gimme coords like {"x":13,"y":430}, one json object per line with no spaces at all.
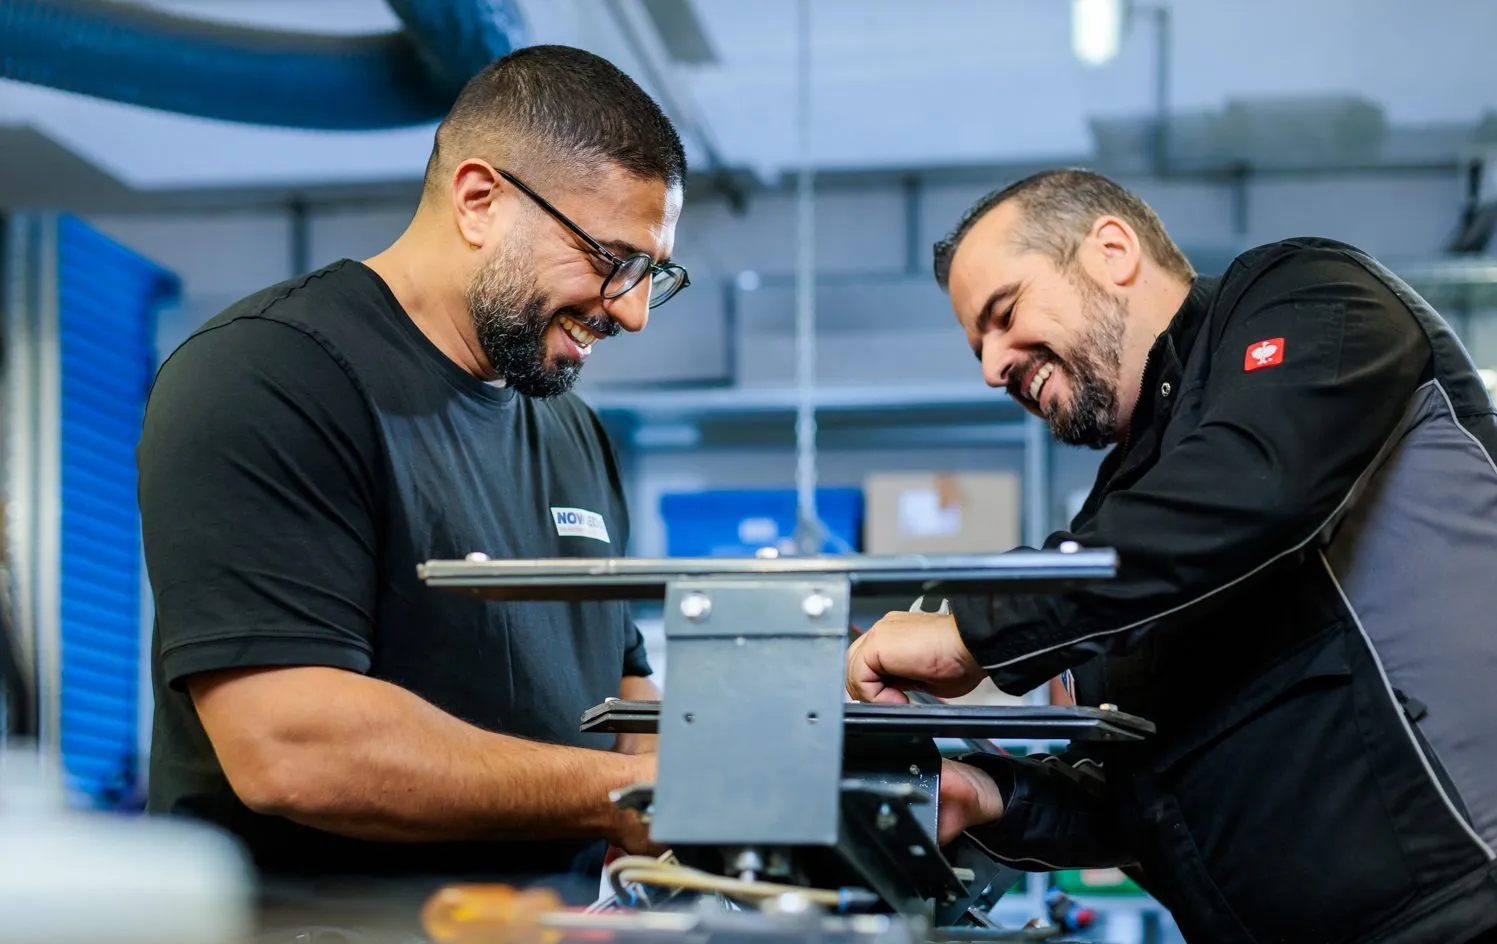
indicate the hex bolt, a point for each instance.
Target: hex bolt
{"x":748,"y":864}
{"x":817,"y":604}
{"x":696,"y":606}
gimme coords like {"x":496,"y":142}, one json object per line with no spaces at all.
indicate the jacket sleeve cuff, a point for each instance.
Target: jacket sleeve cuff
{"x":1004,"y":651}
{"x":974,"y":621}
{"x":1049,"y":822}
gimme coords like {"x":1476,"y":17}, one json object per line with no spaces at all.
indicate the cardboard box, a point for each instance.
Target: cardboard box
{"x":944,"y":513}
{"x":941,"y":513}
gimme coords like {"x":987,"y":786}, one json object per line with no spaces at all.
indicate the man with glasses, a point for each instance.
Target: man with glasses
{"x":308,"y":447}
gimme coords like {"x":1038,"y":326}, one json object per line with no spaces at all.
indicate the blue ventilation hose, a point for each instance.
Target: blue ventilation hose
{"x":140,"y":56}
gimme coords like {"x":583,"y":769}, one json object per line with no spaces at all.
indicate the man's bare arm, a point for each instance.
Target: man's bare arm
{"x":637,"y":688}
{"x":357,"y":756}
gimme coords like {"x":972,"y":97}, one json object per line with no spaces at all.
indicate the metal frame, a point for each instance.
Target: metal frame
{"x":648,"y":578}
{"x":19,"y":271}
{"x":33,"y":461}
{"x":48,"y":490}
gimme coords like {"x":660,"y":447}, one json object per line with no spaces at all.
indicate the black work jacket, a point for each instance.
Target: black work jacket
{"x":1305,"y":514}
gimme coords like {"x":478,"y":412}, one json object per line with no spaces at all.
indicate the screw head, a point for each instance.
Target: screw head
{"x":1068,"y":547}
{"x":816,"y":605}
{"x":696,"y":606}
{"x":477,"y":557}
{"x":914,"y":770}
{"x":1108,"y":706}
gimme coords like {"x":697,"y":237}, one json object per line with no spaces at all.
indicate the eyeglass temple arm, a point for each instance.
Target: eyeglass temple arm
{"x":560,"y":217}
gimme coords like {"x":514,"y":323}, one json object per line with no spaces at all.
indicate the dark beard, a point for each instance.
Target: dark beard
{"x":510,"y":318}
{"x":1091,"y":417}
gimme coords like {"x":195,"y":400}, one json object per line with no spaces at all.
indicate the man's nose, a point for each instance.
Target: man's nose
{"x":997,"y":363}
{"x":632,"y":309}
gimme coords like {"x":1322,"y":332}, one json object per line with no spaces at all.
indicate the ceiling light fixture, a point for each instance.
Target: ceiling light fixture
{"x":1096,"y":30}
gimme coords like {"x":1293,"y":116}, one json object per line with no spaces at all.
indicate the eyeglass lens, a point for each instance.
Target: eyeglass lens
{"x":663,"y":284}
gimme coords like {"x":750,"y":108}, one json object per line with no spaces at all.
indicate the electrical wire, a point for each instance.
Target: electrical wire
{"x":643,"y":870}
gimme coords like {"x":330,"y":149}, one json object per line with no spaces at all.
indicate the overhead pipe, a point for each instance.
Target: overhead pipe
{"x":141,"y":56}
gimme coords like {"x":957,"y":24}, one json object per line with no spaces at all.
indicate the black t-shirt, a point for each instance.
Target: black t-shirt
{"x":302,"y":453}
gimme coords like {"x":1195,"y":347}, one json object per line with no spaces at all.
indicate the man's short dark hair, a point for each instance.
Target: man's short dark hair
{"x":544,"y":109}
{"x":1058,"y":207}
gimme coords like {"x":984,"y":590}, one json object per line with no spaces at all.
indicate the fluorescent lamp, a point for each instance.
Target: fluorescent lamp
{"x":1096,"y":30}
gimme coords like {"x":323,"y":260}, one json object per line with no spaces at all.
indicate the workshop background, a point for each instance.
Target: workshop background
{"x":146,"y":183}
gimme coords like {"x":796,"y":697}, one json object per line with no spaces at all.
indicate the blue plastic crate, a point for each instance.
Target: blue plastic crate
{"x":737,"y":523}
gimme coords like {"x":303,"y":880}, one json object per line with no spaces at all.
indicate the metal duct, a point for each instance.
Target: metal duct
{"x":141,"y":56}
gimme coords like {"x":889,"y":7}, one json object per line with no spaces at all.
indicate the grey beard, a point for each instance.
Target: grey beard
{"x":1091,"y":419}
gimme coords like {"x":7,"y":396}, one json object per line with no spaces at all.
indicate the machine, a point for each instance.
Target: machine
{"x":780,"y":801}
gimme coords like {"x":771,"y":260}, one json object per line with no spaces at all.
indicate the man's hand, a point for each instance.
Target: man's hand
{"x":969,"y":797}
{"x":905,"y":651}
{"x":629,"y":833}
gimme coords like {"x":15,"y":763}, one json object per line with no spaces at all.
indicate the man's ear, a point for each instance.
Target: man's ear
{"x":475,"y":188}
{"x":1116,"y":251}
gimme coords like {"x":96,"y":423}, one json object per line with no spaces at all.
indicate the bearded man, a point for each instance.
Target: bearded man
{"x":305,"y":449}
{"x":1303,"y":501}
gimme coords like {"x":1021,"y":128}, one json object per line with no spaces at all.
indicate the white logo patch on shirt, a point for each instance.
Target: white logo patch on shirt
{"x":580,"y":523}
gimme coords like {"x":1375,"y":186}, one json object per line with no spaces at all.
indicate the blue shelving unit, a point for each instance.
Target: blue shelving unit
{"x":80,"y":311}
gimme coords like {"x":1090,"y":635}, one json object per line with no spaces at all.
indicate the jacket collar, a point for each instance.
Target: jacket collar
{"x":1164,"y":366}
{"x":1174,"y":344}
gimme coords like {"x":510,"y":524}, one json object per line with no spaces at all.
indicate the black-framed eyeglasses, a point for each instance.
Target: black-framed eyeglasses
{"x":665,"y":280}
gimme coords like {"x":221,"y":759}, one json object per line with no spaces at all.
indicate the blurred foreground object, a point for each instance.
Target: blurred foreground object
{"x":79,"y":877}
{"x":490,"y":914}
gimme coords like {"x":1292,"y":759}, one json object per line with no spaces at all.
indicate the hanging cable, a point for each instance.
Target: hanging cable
{"x":809,"y":530}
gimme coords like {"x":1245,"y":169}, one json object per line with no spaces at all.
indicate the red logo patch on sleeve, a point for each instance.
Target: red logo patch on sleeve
{"x":1263,"y":354}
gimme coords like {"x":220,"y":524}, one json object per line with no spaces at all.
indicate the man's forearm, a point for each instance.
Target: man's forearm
{"x":363,"y":758}
{"x":637,"y":688}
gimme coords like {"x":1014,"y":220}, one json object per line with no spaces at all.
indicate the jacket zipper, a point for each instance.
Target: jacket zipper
{"x":1142,"y":381}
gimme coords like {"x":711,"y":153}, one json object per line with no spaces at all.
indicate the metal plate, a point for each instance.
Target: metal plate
{"x":643,"y":578}
{"x":768,"y":776}
{"x":1009,"y":722}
